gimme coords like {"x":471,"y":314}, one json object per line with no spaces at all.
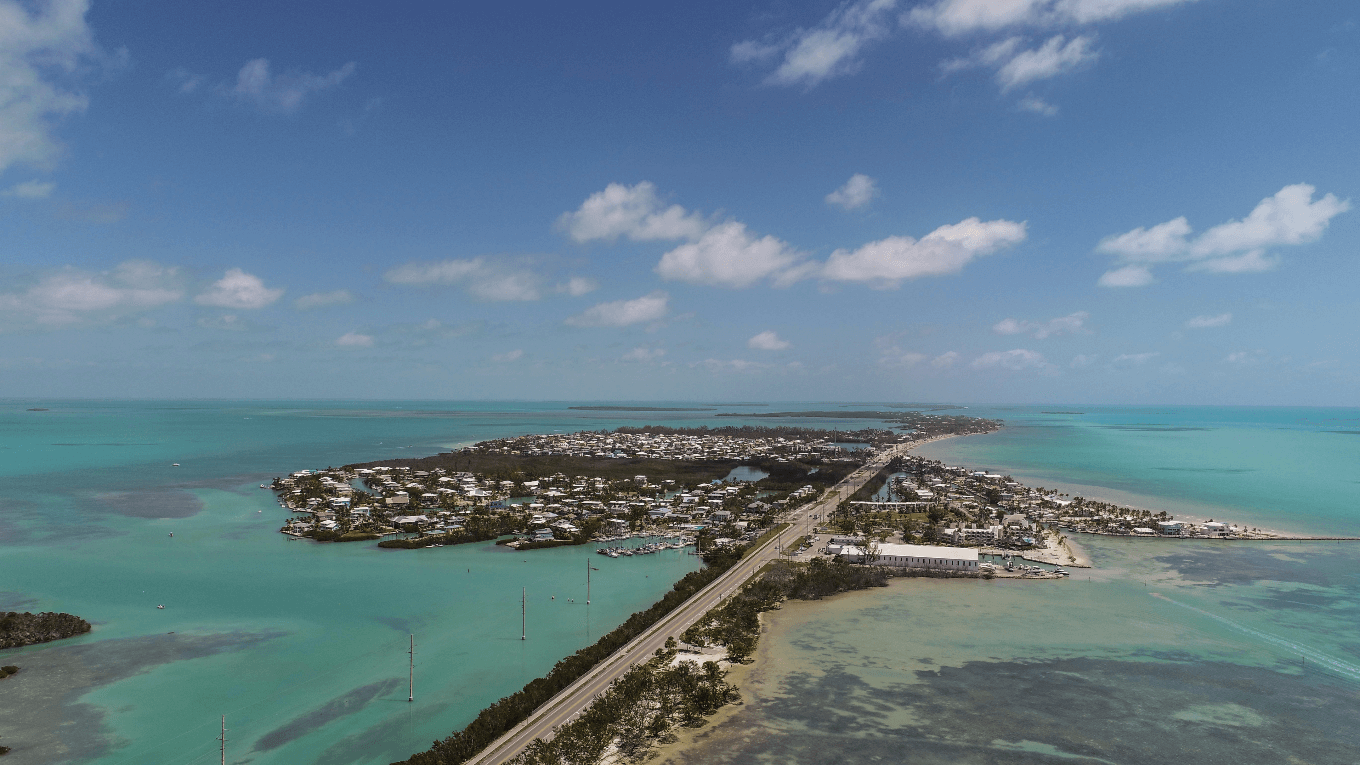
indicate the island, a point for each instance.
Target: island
{"x":21,"y":629}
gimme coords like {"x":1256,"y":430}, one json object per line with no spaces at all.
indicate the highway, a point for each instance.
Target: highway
{"x":566,"y":705}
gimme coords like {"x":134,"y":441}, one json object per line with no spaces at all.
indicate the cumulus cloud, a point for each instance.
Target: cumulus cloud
{"x":857,"y":192}
{"x":643,"y":354}
{"x":489,"y":279}
{"x":256,"y":84}
{"x":71,"y":297}
{"x":354,"y":340}
{"x":1127,"y":276}
{"x":30,"y":190}
{"x":577,"y":286}
{"x":1290,"y":217}
{"x":1080,"y":361}
{"x":1016,"y":359}
{"x":955,"y":18}
{"x":1032,"y":103}
{"x":728,"y":255}
{"x":239,"y":290}
{"x":632,"y":211}
{"x":508,"y":356}
{"x":1206,"y":322}
{"x":323,"y":299}
{"x":946,"y":250}
{"x":1056,"y":56}
{"x":623,"y":313}
{"x":1071,"y":324}
{"x":945,"y":360}
{"x":1134,"y":359}
{"x":46,"y":49}
{"x":1016,"y":65}
{"x":830,"y":49}
{"x":768,"y":341}
{"x":730,"y":365}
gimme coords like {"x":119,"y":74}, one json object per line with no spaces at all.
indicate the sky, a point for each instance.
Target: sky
{"x":1004,"y":201}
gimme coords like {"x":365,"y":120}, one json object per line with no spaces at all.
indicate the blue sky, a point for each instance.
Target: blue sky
{"x":1085,"y":201}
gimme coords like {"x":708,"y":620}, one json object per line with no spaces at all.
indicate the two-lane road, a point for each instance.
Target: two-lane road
{"x":575,"y":698}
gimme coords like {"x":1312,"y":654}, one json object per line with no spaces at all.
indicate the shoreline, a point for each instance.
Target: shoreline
{"x":1187,"y":510}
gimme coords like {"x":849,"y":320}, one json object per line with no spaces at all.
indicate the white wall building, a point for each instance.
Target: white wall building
{"x":913,"y":556}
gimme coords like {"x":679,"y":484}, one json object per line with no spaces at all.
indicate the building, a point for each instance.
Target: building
{"x":913,"y":556}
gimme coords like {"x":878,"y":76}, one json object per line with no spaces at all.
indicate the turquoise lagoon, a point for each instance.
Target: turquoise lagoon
{"x":303,"y":646}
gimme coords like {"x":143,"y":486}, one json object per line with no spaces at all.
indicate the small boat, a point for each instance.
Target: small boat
{"x":262,"y":486}
{"x":172,"y":533}
{"x":161,"y":607}
{"x":174,"y":464}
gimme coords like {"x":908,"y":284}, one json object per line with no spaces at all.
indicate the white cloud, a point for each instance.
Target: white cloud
{"x":354,"y":340}
{"x":733,"y":365}
{"x":1164,"y":241}
{"x":323,"y":299}
{"x":946,"y":250}
{"x":1290,"y":217}
{"x":1071,"y":324}
{"x":1016,"y":359}
{"x":945,"y":360}
{"x":71,"y":297}
{"x":959,"y":17}
{"x":1080,"y":361}
{"x":643,"y":354}
{"x":768,"y":341}
{"x":830,"y":49}
{"x":508,"y":356}
{"x":1246,"y":357}
{"x":1033,"y":103}
{"x":857,"y":192}
{"x":283,"y":93}
{"x":45,"y":50}
{"x":577,"y":286}
{"x":1127,"y":276}
{"x":622,"y":313}
{"x":1205,"y":322}
{"x":492,"y":280}
{"x":1134,"y":359}
{"x":30,"y":190}
{"x":727,"y":255}
{"x":896,"y":357}
{"x":1056,"y":56}
{"x":229,"y":321}
{"x":632,"y":211}
{"x":240,"y":290}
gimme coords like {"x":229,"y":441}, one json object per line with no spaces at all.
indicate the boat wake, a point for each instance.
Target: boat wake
{"x":1343,"y":668}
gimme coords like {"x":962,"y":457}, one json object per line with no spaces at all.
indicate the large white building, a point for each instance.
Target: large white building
{"x":913,"y":556}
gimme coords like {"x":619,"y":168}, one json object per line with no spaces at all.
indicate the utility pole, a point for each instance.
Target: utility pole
{"x":413,"y":669}
{"x":523,"y":614}
{"x":223,"y":739}
{"x":588,"y":567}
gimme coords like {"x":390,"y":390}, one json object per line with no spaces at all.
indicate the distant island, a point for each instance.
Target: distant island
{"x":20,"y":629}
{"x":642,"y":409}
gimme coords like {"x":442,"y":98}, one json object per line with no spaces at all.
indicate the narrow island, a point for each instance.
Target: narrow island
{"x":21,"y":629}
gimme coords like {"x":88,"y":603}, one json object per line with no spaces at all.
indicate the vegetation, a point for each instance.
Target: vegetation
{"x":19,"y":629}
{"x":7,"y":670}
{"x":459,"y":537}
{"x":866,"y":435}
{"x":515,"y":467}
{"x":639,"y":708}
{"x":505,"y":714}
{"x":735,"y":624}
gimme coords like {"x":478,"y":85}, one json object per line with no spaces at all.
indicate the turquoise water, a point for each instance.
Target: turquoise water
{"x":1288,"y":469}
{"x":304,"y":646}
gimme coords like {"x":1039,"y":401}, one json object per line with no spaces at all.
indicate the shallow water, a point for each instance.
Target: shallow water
{"x":1204,"y":654}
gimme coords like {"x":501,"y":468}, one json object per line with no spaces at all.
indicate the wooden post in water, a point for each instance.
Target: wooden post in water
{"x":223,"y":739}
{"x":412,"y":686}
{"x":588,"y":567}
{"x":523,"y":618}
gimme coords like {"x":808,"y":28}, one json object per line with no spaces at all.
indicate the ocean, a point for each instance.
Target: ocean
{"x":303,"y":646}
